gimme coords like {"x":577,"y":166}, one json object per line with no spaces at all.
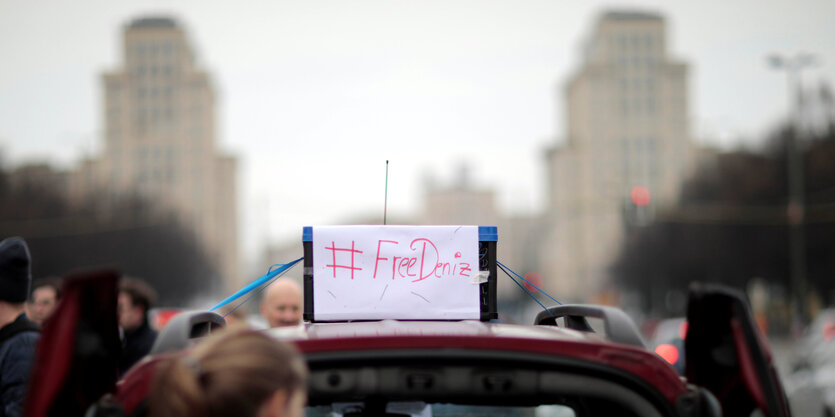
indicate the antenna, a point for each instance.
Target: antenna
{"x":386,"y":198}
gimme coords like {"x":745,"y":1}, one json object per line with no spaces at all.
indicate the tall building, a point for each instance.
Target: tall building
{"x":160,"y":141}
{"x":626,"y":153}
{"x":460,"y":202}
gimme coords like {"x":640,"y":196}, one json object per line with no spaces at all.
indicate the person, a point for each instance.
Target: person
{"x":282,"y":304}
{"x":232,"y":373}
{"x":18,"y":335}
{"x":45,"y":296}
{"x":135,"y":299}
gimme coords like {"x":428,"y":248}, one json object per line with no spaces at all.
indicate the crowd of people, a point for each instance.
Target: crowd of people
{"x":241,"y":371}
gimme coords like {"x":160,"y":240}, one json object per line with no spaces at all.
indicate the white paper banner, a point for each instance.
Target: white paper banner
{"x":395,"y":272}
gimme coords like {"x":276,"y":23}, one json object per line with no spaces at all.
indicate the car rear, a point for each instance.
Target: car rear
{"x":474,"y":368}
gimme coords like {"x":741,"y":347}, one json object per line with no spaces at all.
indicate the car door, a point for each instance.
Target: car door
{"x":727,"y":354}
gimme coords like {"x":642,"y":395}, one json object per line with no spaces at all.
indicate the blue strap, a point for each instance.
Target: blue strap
{"x":523,"y":279}
{"x":253,"y":294}
{"x":524,"y":289}
{"x":255,"y":284}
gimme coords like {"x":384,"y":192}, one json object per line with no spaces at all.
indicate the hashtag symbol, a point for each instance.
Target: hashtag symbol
{"x":334,"y":265}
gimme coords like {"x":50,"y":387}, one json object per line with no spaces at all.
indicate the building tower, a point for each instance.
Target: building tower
{"x":626,"y":154}
{"x":159,"y":138}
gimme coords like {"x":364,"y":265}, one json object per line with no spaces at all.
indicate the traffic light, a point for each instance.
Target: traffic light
{"x":638,"y":209}
{"x":640,"y":196}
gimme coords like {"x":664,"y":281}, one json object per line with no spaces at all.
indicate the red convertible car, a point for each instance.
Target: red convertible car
{"x":557,"y":366}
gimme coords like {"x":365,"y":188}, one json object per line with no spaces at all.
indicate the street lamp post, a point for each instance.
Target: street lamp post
{"x":795,"y":210}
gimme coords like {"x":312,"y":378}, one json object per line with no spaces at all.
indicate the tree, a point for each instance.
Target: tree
{"x":129,"y":234}
{"x":731,"y":225}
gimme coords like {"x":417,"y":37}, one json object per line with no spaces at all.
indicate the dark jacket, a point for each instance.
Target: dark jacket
{"x":136,"y":344}
{"x":17,"y":355}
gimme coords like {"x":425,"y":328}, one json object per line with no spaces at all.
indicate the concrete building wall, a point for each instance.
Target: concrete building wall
{"x":160,"y":139}
{"x":627,"y":127}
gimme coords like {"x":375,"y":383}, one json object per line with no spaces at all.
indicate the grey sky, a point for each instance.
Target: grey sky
{"x":314,"y":96}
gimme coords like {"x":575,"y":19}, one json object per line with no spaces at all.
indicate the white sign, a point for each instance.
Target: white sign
{"x":395,"y":272}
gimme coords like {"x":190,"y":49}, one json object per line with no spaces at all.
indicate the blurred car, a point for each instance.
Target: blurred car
{"x":556,"y":367}
{"x":667,"y":341}
{"x":818,"y":335}
{"x":158,"y":317}
{"x":811,"y":385}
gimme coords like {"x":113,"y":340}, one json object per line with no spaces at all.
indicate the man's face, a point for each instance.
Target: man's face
{"x":282,"y":308}
{"x":43,"y":302}
{"x":130,"y":315}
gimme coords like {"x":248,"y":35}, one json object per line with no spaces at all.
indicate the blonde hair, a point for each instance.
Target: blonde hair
{"x":231,"y":374}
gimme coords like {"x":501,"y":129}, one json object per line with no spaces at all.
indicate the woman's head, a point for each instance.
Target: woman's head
{"x":237,"y":373}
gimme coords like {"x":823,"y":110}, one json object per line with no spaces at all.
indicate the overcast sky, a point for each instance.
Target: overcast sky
{"x":315,"y":96}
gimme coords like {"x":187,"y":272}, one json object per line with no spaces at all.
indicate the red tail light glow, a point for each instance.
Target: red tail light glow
{"x":668,"y":352}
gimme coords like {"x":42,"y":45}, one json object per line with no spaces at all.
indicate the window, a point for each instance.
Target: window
{"x":637,"y":146}
{"x":143,"y":176}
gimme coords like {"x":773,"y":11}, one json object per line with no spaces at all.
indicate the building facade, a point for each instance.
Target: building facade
{"x":626,"y":153}
{"x":160,"y":139}
{"x":461,"y":202}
